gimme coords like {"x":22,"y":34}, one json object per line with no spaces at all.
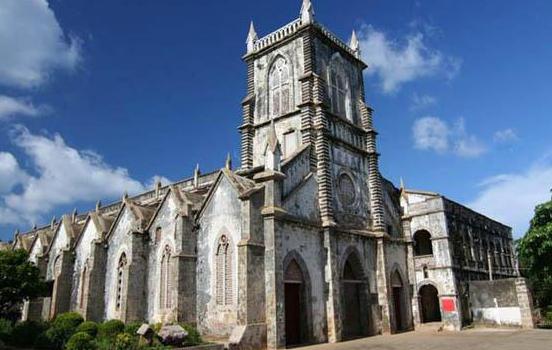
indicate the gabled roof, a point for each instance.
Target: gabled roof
{"x":72,"y":225}
{"x":141,"y":213}
{"x":25,"y":241}
{"x":102,"y":223}
{"x":183,"y":199}
{"x":44,"y":237}
{"x":244,"y":186}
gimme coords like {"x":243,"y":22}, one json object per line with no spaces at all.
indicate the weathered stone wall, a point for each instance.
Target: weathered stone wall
{"x":221,"y":216}
{"x":164,"y":233}
{"x":505,"y":302}
{"x":118,"y":243}
{"x":82,"y":253}
{"x":426,"y":212}
{"x":306,"y":243}
{"x":292,"y":52}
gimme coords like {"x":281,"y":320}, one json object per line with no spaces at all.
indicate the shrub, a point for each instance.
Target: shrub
{"x":43,"y":342}
{"x":110,"y":329}
{"x":6,"y":328}
{"x":88,"y":327}
{"x":125,"y":341}
{"x":104,"y":344}
{"x":132,"y":327}
{"x":81,"y":341}
{"x":63,"y":327}
{"x":24,"y":334}
{"x":193,"y":338}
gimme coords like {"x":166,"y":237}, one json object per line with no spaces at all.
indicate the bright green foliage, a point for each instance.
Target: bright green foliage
{"x":63,"y":327}
{"x":193,"y":338}
{"x":81,"y":341}
{"x":535,"y":254}
{"x":104,"y":344}
{"x":25,"y":333}
{"x":125,"y":341}
{"x":110,"y":329}
{"x":6,"y":328}
{"x":132,"y":327}
{"x":19,"y":280}
{"x":88,"y":327}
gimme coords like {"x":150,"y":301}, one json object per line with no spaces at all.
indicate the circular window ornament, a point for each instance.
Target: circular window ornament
{"x":346,"y":190}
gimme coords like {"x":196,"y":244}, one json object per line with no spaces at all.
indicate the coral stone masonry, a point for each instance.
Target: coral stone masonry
{"x":305,"y":243}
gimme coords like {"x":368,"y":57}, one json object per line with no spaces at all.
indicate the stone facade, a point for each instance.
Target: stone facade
{"x":305,"y":243}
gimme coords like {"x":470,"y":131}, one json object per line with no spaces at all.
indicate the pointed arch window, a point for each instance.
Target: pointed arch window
{"x":339,"y":91}
{"x":279,"y":84}
{"x":223,"y":266}
{"x":121,"y":267}
{"x":84,"y":285}
{"x":165,"y":277}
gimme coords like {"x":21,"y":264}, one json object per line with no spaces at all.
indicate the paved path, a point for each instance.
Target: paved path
{"x":475,"y":339}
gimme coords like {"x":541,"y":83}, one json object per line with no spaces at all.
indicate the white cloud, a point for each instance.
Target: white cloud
{"x":434,"y":134}
{"x":64,"y":175}
{"x":431,"y":133}
{"x":396,"y":62}
{"x":422,"y":101}
{"x":511,"y":198}
{"x":32,"y":43}
{"x":10,"y":107}
{"x":466,"y":145}
{"x":505,"y":136}
{"x":10,"y":172}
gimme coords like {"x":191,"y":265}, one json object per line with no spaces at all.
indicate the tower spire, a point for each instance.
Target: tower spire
{"x":251,"y":38}
{"x":354,"y":44}
{"x":307,"y":12}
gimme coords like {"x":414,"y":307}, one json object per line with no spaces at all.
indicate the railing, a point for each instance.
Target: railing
{"x":278,"y":35}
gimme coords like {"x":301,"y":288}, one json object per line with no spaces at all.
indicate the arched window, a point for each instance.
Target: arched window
{"x":339,"y":91}
{"x":223,"y":267}
{"x":279,"y":84}
{"x":422,"y":243}
{"x":165,"y":275}
{"x":120,"y":280}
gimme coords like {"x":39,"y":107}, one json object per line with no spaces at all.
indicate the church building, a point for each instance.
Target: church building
{"x":306,"y":242}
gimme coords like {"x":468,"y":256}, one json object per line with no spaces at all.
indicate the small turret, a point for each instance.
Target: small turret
{"x":197,"y":173}
{"x":158,"y":186}
{"x":251,"y":38}
{"x":98,"y":206}
{"x":228,"y":164}
{"x":354,"y":44}
{"x":307,"y":12}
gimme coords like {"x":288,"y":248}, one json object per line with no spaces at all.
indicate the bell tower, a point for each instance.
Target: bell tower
{"x":307,"y":84}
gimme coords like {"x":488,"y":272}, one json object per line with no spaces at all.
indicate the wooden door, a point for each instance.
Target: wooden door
{"x":293,"y":313}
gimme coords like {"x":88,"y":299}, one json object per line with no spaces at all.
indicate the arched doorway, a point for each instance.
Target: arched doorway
{"x":429,"y":303}
{"x":295,"y":295}
{"x":398,"y":301}
{"x":354,"y":299}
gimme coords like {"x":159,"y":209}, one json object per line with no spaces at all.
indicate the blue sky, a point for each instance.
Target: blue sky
{"x":99,"y":97}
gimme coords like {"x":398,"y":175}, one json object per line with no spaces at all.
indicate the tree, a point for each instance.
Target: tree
{"x":19,"y":281}
{"x":535,"y":254}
